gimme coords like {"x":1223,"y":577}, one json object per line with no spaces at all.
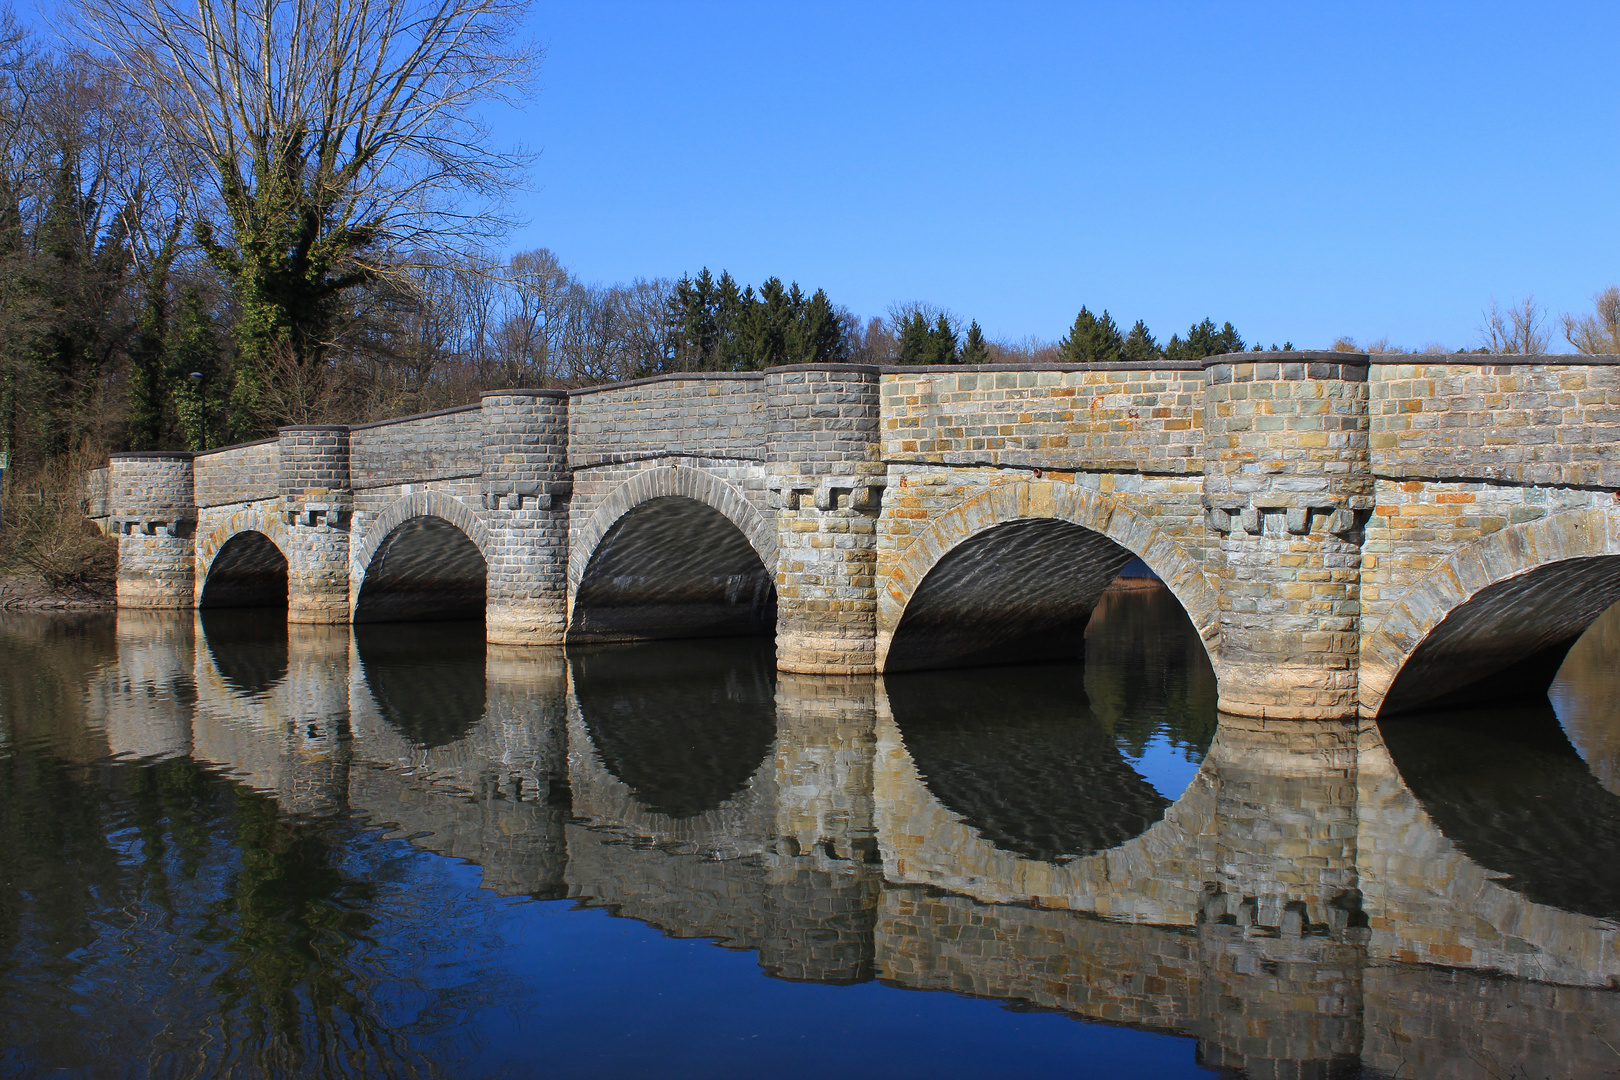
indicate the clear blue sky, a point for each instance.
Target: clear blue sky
{"x":1305,"y":170}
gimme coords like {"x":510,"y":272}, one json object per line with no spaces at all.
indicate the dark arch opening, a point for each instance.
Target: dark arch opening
{"x":1019,"y":592}
{"x":248,"y":571}
{"x":429,"y":684}
{"x":684,"y":726}
{"x":425,"y":570}
{"x":1507,"y":642}
{"x":673,"y":568}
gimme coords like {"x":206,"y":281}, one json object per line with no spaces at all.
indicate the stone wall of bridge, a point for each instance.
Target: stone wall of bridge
{"x":1329,"y":521}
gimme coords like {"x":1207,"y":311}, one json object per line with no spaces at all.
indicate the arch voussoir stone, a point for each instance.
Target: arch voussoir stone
{"x":1027,"y":500}
{"x":1491,"y":560}
{"x":417,"y":504}
{"x":672,"y":482}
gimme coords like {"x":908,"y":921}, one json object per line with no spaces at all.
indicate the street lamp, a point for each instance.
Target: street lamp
{"x":197,"y":379}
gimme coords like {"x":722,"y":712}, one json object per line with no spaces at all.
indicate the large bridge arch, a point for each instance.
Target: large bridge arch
{"x":250,"y":540}
{"x":1507,"y":605}
{"x":1034,"y":502}
{"x":441,"y":580}
{"x":717,"y":550}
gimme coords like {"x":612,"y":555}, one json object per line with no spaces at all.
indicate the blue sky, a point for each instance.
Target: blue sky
{"x":1305,"y":170}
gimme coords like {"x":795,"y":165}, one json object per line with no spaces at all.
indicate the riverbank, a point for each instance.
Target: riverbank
{"x":28,"y":592}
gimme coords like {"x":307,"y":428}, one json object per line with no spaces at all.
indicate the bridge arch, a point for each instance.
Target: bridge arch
{"x":1032,"y":506}
{"x":672,"y":552}
{"x":424,"y":556}
{"x":1506,"y":606}
{"x":241,"y":560}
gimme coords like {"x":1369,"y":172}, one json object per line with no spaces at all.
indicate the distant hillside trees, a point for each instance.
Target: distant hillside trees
{"x":713,"y":325}
{"x":1095,"y":339}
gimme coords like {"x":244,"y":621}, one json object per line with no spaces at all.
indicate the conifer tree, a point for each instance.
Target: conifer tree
{"x":916,"y":346}
{"x":1204,"y":340}
{"x":1139,"y":347}
{"x":942,"y":342}
{"x":1092,"y":340}
{"x":974,"y":349}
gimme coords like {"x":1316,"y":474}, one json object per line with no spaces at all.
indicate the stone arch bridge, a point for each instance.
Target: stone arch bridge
{"x":1349,"y":534}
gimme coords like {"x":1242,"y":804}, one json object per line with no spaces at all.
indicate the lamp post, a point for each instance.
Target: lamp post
{"x":198,"y":383}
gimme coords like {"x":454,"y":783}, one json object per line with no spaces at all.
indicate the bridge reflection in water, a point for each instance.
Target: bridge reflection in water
{"x":1427,"y":897}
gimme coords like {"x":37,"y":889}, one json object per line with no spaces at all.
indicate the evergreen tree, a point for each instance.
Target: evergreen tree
{"x":193,"y":347}
{"x":916,"y":345}
{"x":1204,"y":340}
{"x":150,"y":378}
{"x":974,"y":350}
{"x":1139,"y":347}
{"x":732,"y":306}
{"x":819,"y":336}
{"x":942,"y":342}
{"x":1092,"y":340}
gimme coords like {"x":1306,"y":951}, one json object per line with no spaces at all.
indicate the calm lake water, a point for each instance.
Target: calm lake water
{"x":234,"y":848}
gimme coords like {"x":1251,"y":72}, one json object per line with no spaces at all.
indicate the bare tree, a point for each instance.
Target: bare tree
{"x":1598,"y":332}
{"x":1516,"y":329}
{"x":331,"y":140}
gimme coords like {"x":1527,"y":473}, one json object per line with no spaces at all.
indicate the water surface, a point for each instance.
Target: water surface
{"x":239,"y":848}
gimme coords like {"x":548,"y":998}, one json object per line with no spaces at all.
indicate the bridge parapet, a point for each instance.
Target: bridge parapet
{"x":1523,"y":420}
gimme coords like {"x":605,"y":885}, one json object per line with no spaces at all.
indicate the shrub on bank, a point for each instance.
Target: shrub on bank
{"x":44,"y":531}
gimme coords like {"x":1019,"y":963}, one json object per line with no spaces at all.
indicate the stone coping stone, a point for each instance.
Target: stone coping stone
{"x":236,"y":446}
{"x":671,"y":376}
{"x":1294,"y":356}
{"x":152,"y":455}
{"x":988,"y":369}
{"x":416,"y":416}
{"x":519,"y":393}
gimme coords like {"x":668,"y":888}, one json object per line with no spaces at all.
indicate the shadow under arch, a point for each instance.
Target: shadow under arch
{"x":424,"y":568}
{"x":673,"y":567}
{"x":247,"y":571}
{"x":430,"y":685}
{"x":1013,"y":574}
{"x":683,"y":726}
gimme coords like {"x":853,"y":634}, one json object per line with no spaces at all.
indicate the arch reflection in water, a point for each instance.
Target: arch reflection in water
{"x":428,"y":684}
{"x":684,"y":726}
{"x":463,"y":750}
{"x":1513,"y":793}
{"x":249,"y":648}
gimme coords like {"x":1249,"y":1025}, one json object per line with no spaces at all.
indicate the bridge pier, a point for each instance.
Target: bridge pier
{"x":317,"y":498}
{"x":153,"y":512}
{"x":827,"y":478}
{"x":524,"y":490}
{"x":1287,"y":484}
